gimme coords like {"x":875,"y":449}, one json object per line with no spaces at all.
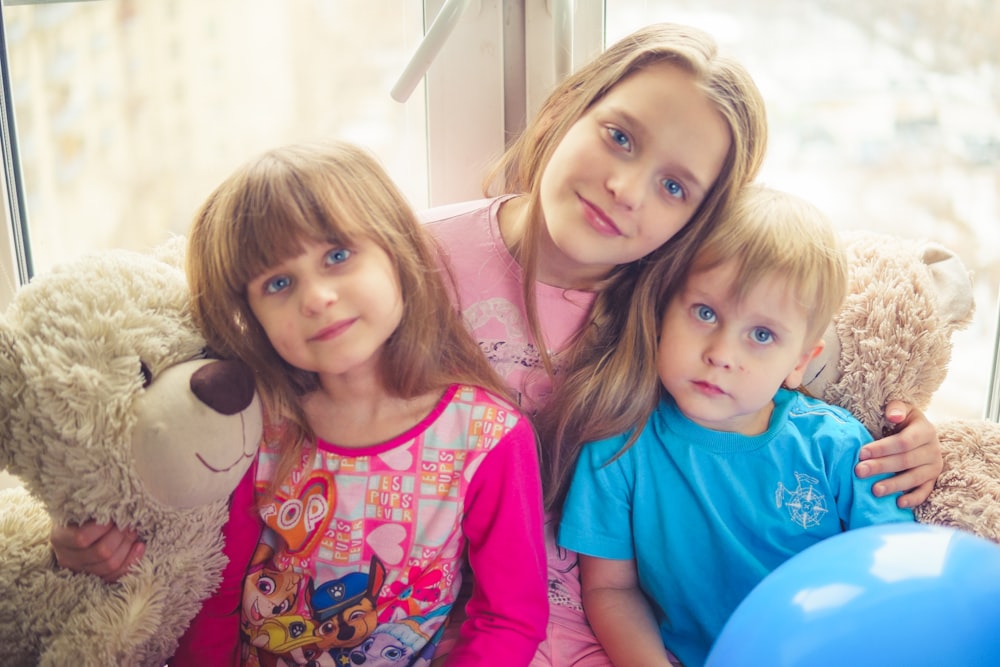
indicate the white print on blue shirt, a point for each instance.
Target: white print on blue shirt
{"x":806,"y":506}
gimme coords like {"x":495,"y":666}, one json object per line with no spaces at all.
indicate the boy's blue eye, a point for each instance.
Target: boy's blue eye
{"x":276,"y":284}
{"x":762,"y":335}
{"x":619,"y":137}
{"x":337,"y":255}
{"x":704,"y":313}
{"x":673,"y":188}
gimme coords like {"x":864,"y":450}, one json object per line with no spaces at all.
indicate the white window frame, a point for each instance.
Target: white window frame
{"x":494,"y":71}
{"x":491,"y":74}
{"x":15,"y":257}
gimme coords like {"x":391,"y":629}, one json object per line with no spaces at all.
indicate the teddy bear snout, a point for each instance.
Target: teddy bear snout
{"x":226,"y":386}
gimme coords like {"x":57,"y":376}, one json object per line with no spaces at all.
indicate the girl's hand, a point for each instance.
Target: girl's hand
{"x":912,"y":452}
{"x":95,"y":548}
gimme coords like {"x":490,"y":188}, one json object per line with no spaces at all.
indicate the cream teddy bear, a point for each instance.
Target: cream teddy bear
{"x":109,"y":410}
{"x":892,"y":340}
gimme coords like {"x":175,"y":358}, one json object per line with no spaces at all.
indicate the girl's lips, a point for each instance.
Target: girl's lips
{"x":332,"y":331}
{"x":598,"y":219}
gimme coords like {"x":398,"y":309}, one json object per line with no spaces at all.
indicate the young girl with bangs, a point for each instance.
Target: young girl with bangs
{"x":391,"y":451}
{"x":611,"y":187}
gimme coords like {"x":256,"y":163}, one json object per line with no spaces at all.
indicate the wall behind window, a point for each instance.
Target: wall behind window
{"x":129,"y":113}
{"x":887,"y":116}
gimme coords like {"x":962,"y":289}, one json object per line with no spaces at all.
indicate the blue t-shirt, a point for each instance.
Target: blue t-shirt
{"x":707,"y":514}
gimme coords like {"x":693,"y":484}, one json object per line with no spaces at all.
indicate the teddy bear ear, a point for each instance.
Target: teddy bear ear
{"x":172,"y":251}
{"x":952,"y":284}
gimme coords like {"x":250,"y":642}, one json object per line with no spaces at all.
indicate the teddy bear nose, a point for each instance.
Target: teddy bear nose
{"x":226,"y":386}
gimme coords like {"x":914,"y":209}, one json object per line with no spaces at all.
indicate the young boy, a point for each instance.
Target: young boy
{"x":733,"y":473}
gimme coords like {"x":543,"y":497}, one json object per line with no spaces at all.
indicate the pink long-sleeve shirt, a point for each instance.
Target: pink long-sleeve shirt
{"x":378,"y":534}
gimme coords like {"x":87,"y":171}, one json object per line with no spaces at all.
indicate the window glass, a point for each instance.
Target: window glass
{"x":887,"y":116}
{"x":128,"y":113}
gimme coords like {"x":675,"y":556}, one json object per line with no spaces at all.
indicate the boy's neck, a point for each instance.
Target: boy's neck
{"x":749,"y":426}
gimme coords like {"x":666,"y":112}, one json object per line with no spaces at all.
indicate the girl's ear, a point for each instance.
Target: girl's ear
{"x":794,"y":378}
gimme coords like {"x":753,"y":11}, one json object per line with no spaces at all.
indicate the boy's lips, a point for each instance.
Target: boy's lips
{"x":707,"y":388}
{"x":598,"y":219}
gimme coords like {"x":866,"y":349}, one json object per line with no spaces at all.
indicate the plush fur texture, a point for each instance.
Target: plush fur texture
{"x":109,"y":411}
{"x":892,"y":340}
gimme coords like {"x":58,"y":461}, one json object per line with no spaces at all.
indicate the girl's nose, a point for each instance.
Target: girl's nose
{"x":317,"y":296}
{"x":628,"y":185}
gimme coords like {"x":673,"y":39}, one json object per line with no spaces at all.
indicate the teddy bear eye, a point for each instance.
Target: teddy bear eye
{"x":147,"y":375}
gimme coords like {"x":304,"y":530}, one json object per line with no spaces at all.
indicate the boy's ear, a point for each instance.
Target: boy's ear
{"x":794,"y":378}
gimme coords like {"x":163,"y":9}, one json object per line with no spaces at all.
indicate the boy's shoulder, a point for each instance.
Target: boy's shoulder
{"x":802,"y":402}
{"x":809,"y":409}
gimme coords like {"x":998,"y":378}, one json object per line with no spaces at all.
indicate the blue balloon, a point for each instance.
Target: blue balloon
{"x":896,"y":594}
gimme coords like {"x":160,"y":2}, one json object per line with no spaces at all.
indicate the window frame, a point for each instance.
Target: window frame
{"x":15,"y":248}
{"x":491,"y":74}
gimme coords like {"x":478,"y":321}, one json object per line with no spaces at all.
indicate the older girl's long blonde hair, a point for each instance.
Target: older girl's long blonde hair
{"x":330,"y":192}
{"x":606,"y":379}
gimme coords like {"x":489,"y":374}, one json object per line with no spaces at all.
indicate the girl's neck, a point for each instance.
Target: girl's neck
{"x":363,"y":414}
{"x":552,"y":267}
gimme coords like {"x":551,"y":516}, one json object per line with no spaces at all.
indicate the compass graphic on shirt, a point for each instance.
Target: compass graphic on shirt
{"x":806,"y":506}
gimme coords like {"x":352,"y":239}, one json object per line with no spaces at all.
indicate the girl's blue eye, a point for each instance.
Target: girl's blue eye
{"x":337,"y":255}
{"x":762,"y":335}
{"x":673,"y":188}
{"x":276,"y":284}
{"x":619,"y":137}
{"x":704,"y":313}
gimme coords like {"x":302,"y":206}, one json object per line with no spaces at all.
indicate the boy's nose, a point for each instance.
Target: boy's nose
{"x":719,"y":354}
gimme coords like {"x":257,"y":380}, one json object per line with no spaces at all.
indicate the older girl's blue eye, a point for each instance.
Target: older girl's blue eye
{"x":673,"y":188}
{"x":276,"y":284}
{"x":762,"y":335}
{"x":619,"y":137}
{"x":337,"y":255}
{"x":704,"y":313}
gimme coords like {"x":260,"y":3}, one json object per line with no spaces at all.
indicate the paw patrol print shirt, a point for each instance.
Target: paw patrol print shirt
{"x":360,"y":560}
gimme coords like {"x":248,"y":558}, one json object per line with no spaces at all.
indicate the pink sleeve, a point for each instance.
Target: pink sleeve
{"x":508,"y":611}
{"x":213,"y":638}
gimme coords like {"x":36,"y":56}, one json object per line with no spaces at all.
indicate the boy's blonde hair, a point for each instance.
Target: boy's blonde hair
{"x":335,"y":192}
{"x":768,"y":233}
{"x":607,"y":380}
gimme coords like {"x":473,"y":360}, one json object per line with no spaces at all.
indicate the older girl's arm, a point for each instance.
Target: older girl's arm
{"x":912,"y":452}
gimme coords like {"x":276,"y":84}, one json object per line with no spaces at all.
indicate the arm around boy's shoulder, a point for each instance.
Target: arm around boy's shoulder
{"x":841,"y":436}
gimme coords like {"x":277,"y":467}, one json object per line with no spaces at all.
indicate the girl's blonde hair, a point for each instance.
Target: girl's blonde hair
{"x":769,"y":233}
{"x":332,"y":192}
{"x":607,"y":379}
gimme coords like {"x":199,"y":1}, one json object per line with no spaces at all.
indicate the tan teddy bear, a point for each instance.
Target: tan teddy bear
{"x":892,"y":340}
{"x":109,"y":410}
